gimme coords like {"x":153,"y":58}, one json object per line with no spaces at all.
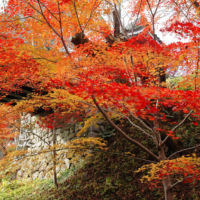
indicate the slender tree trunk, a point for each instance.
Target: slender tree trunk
{"x":162,"y":155}
{"x":54,"y":159}
{"x":167,"y":188}
{"x":116,"y":23}
{"x":166,"y":182}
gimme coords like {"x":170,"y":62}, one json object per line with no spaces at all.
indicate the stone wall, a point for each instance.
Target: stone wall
{"x":32,"y":136}
{"x":38,"y":140}
{"x":41,"y":166}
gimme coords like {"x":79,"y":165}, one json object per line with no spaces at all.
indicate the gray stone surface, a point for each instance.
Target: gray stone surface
{"x":35,"y":139}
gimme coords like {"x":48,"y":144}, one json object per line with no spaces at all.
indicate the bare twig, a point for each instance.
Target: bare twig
{"x":183,"y":150}
{"x":177,"y":126}
{"x":139,"y":128}
{"x":178,"y":182}
{"x":138,"y":119}
{"x":40,"y":138}
{"x":141,"y":121}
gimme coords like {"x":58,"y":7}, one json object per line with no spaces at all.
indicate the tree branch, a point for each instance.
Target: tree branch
{"x":48,"y":23}
{"x":53,"y":29}
{"x":139,"y":128}
{"x":178,"y":182}
{"x":61,"y":31}
{"x":50,"y":11}
{"x":91,"y":13}
{"x":186,"y":117}
{"x":77,"y":17}
{"x":123,"y":133}
{"x":177,"y":126}
{"x":183,"y":150}
{"x":42,"y":58}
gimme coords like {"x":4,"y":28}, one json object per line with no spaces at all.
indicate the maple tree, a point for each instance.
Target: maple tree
{"x":94,"y":70}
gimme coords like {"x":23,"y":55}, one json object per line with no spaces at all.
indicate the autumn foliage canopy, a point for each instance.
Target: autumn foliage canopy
{"x":85,"y":64}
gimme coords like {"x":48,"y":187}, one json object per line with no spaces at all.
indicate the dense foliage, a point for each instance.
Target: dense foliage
{"x":66,"y":61}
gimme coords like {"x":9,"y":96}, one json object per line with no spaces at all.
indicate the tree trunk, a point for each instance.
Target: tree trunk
{"x":54,"y":159}
{"x":167,"y":188}
{"x":166,"y":182}
{"x":116,"y":23}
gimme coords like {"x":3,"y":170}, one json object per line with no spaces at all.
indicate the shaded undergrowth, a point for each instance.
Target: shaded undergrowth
{"x":107,"y":175}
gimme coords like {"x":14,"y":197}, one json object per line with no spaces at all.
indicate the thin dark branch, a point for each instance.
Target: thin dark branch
{"x":135,"y":125}
{"x":37,"y":19}
{"x":40,"y":138}
{"x":188,"y":11}
{"x":42,"y":58}
{"x":177,"y":126}
{"x":157,"y":6}
{"x":93,"y":150}
{"x":108,"y":2}
{"x":179,"y":7}
{"x":77,"y":17}
{"x":91,"y":13}
{"x":152,"y":14}
{"x":186,"y":117}
{"x":53,"y":29}
{"x":21,"y":18}
{"x":48,"y":23}
{"x":150,"y":8}
{"x":137,"y":15}
{"x":60,"y":20}
{"x":132,"y":63}
{"x":54,"y":156}
{"x":123,"y":133}
{"x":61,"y":31}
{"x":141,"y":121}
{"x":139,"y":128}
{"x":178,"y":182}
{"x":184,"y":150}
{"x":33,"y":7}
{"x":197,"y":68}
{"x":49,"y":11}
